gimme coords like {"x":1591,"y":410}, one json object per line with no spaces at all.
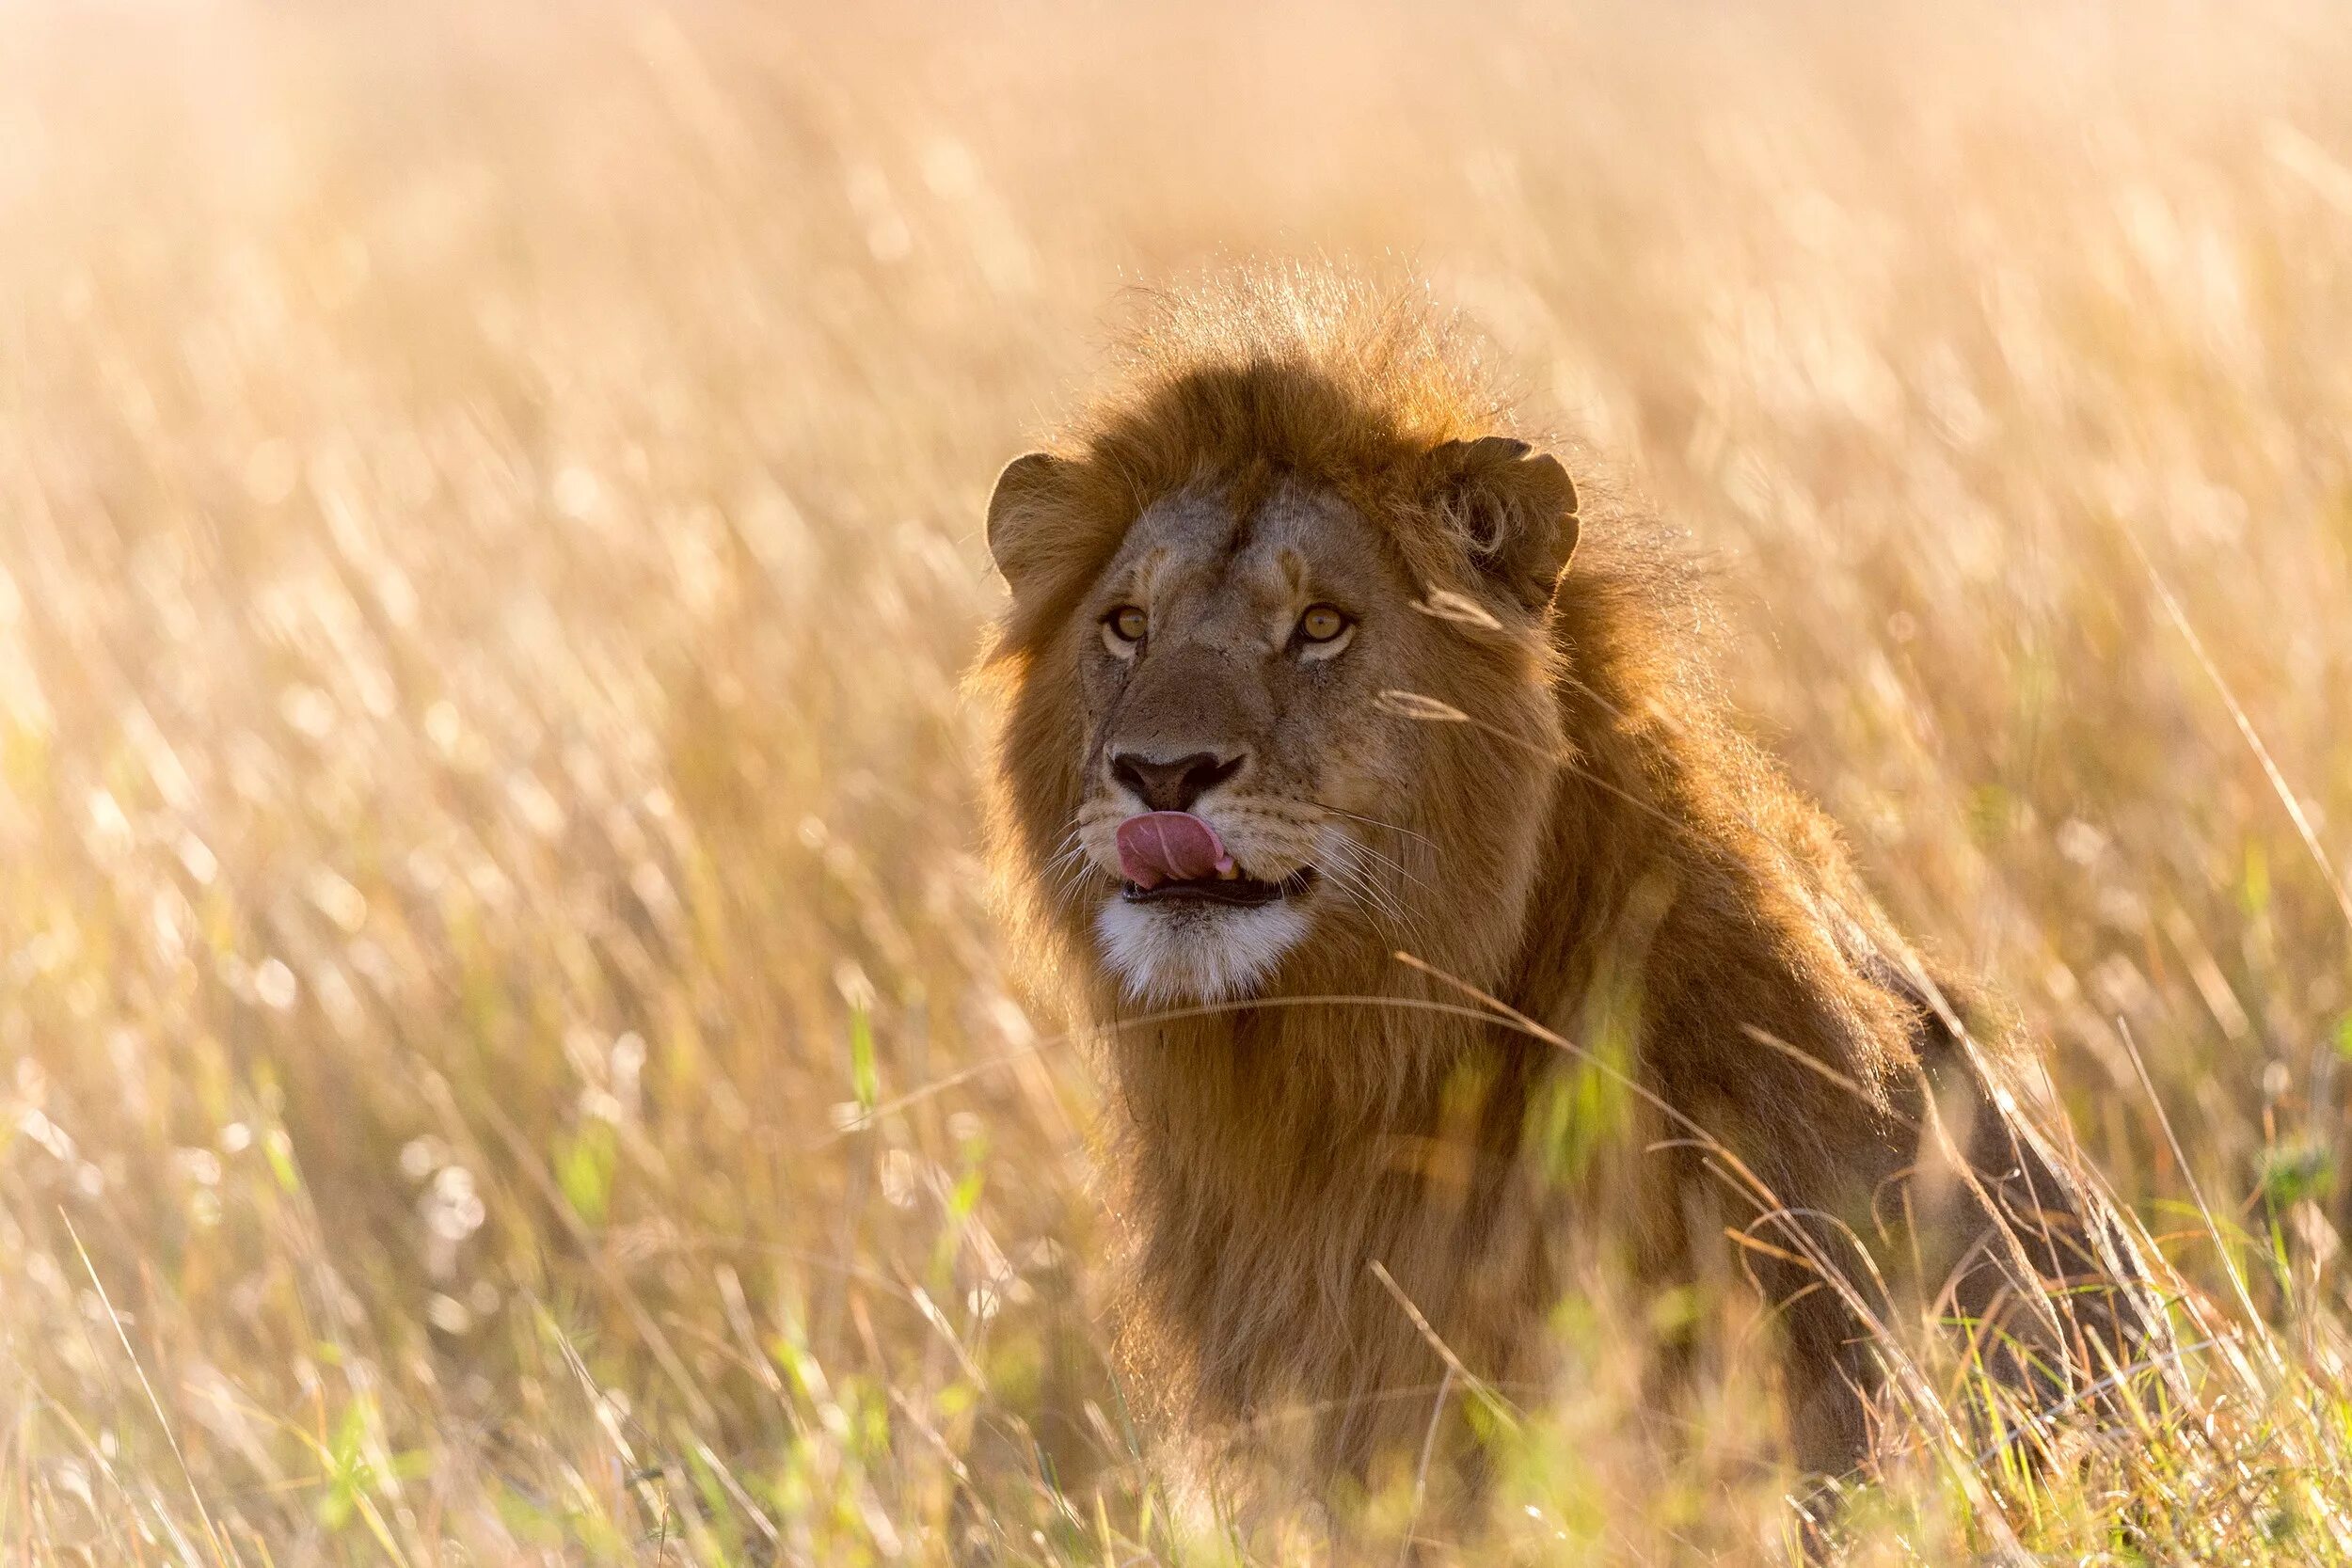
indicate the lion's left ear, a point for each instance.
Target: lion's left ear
{"x":1019,"y":516}
{"x":1516,"y":507}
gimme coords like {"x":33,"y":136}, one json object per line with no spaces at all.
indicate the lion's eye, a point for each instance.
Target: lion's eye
{"x":1321,"y":623}
{"x":1126,"y":623}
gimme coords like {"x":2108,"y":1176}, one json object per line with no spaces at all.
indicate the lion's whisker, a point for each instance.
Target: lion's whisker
{"x":1372,"y":821}
{"x":1066,"y":870}
{"x":1355,"y":879}
{"x":1389,"y":862}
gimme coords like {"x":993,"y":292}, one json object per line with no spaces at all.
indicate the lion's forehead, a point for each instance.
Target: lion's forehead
{"x":1196,"y":555}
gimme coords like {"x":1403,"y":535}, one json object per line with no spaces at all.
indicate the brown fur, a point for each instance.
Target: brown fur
{"x":1674,"y":906}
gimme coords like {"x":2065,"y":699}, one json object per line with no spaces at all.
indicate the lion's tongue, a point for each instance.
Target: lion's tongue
{"x":1170,"y":847}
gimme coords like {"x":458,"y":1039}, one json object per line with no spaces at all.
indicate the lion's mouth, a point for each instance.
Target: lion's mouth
{"x":1174,"y":856}
{"x":1238,"y":891}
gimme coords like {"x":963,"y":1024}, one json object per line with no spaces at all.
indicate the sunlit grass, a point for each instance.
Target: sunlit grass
{"x":505,"y":1050}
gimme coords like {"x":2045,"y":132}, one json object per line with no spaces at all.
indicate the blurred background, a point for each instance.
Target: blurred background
{"x":505,"y":1050}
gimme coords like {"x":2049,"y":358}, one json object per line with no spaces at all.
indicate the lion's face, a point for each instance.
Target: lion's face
{"x":1259,"y":787}
{"x":1235,"y":678}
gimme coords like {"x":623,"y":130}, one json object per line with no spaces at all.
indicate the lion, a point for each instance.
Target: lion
{"x":1371,"y":791}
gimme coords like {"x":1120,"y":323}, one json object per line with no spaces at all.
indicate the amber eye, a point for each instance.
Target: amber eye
{"x":1126,"y":623}
{"x":1321,"y":623}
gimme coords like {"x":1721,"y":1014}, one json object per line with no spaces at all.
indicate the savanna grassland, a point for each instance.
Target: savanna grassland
{"x":505,"y":1054}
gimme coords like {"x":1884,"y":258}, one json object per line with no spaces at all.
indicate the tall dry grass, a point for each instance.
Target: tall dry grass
{"x":507,"y":1057}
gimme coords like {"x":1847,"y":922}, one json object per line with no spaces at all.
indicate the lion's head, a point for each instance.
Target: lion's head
{"x":1278,"y":653}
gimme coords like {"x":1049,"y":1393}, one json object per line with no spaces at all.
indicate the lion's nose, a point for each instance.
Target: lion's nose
{"x":1174,"y":785}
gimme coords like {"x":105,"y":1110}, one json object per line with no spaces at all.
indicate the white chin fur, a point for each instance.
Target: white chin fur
{"x":1170,"y":954}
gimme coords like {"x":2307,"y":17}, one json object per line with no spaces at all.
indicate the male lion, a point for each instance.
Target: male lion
{"x":1305,"y":671}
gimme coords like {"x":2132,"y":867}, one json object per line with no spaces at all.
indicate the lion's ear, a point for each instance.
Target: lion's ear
{"x":1019,"y":515}
{"x":1516,"y":507}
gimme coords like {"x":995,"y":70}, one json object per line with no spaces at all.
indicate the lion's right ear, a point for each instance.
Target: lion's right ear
{"x":1019,"y":515}
{"x":1517,"y":508}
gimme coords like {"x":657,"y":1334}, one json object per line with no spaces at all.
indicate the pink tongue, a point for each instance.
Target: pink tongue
{"x":1170,"y":847}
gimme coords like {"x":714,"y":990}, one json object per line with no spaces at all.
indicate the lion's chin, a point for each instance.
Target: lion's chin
{"x":1192,"y":952}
